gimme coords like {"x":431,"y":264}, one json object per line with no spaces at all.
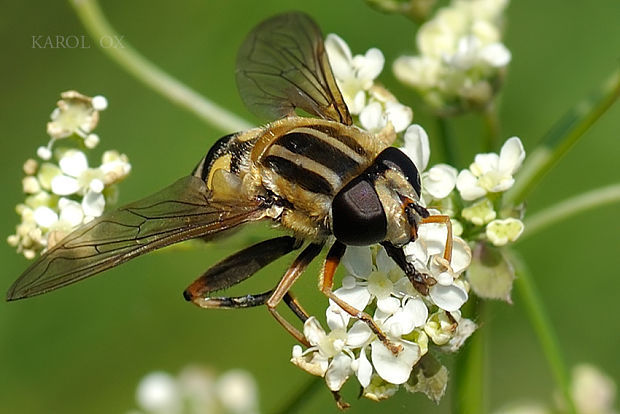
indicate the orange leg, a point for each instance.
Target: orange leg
{"x":326,"y":285}
{"x":281,"y":291}
{"x":447,"y":253}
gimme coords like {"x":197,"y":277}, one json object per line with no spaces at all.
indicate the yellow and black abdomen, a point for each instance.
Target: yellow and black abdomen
{"x":307,"y":165}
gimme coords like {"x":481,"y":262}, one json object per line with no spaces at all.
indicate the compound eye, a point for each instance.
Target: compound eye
{"x":357,"y":214}
{"x":394,"y":158}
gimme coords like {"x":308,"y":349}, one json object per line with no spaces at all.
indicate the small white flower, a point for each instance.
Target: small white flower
{"x":500,"y":232}
{"x":158,"y":392}
{"x":480,"y":213}
{"x":44,"y":153}
{"x":236,"y":389}
{"x":99,"y":103}
{"x":491,"y":173}
{"x":375,"y":116}
{"x":593,"y":391}
{"x":426,"y":254}
{"x":330,"y":355}
{"x":75,"y":114}
{"x":440,"y":327}
{"x":354,"y":74}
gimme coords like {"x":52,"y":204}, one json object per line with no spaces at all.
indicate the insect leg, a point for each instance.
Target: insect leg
{"x":326,"y":283}
{"x":238,"y":267}
{"x":447,"y":252}
{"x":420,"y":281}
{"x":279,"y":293}
{"x":249,"y":301}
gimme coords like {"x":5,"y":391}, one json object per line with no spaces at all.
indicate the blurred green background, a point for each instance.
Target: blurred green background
{"x":83,"y":349}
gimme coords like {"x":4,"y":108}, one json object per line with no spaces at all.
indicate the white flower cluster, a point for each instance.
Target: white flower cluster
{"x":62,"y":190}
{"x":461,"y":59}
{"x":197,"y":391}
{"x":375,"y":284}
{"x":414,"y":321}
{"x":479,"y":189}
{"x":355,"y":75}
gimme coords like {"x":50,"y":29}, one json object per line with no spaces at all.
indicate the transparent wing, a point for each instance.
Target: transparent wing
{"x":282,"y":65}
{"x":179,"y":212}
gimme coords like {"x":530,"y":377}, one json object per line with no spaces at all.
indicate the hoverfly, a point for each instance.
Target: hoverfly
{"x":325,"y":181}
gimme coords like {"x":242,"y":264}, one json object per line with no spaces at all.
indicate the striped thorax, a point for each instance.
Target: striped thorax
{"x":300,"y":163}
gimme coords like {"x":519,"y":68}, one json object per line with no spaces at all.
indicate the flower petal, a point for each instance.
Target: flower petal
{"x":363,"y":369}
{"x":338,"y":371}
{"x":511,"y":156}
{"x":399,"y":115}
{"x":449,"y":298}
{"x":340,"y":57}
{"x":467,"y":184}
{"x":388,"y":304}
{"x":313,"y":331}
{"x":358,"y":335}
{"x":45,"y":216}
{"x":484,"y":163}
{"x":372,"y":64}
{"x":64,"y":185}
{"x":372,"y":117}
{"x":394,"y":369}
{"x":495,"y":54}
{"x":93,"y":204}
{"x":461,"y":255}
{"x":416,"y":146}
{"x":73,"y":163}
{"x":358,"y":261}
{"x":70,"y":211}
{"x":440,"y":180}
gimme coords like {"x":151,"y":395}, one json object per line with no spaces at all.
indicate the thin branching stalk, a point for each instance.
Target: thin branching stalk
{"x":446,"y":140}
{"x":543,"y":328}
{"x":469,"y":377}
{"x":492,"y":126}
{"x":133,"y":62}
{"x":561,"y":138}
{"x":302,"y":396}
{"x":570,"y":207}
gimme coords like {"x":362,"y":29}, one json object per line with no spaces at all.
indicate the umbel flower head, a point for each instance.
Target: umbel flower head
{"x":461,"y":60}
{"x":423,"y":325}
{"x":62,"y":189}
{"x":196,"y":390}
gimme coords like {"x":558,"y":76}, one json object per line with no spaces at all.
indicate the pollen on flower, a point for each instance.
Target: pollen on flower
{"x":65,"y":191}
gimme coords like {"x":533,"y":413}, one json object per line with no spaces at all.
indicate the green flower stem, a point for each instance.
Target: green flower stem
{"x":302,"y":396}
{"x":544,"y":329}
{"x":469,"y":375}
{"x":492,"y":124}
{"x":570,"y":207}
{"x":562,"y":136}
{"x":446,"y":139}
{"x":133,"y":62}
